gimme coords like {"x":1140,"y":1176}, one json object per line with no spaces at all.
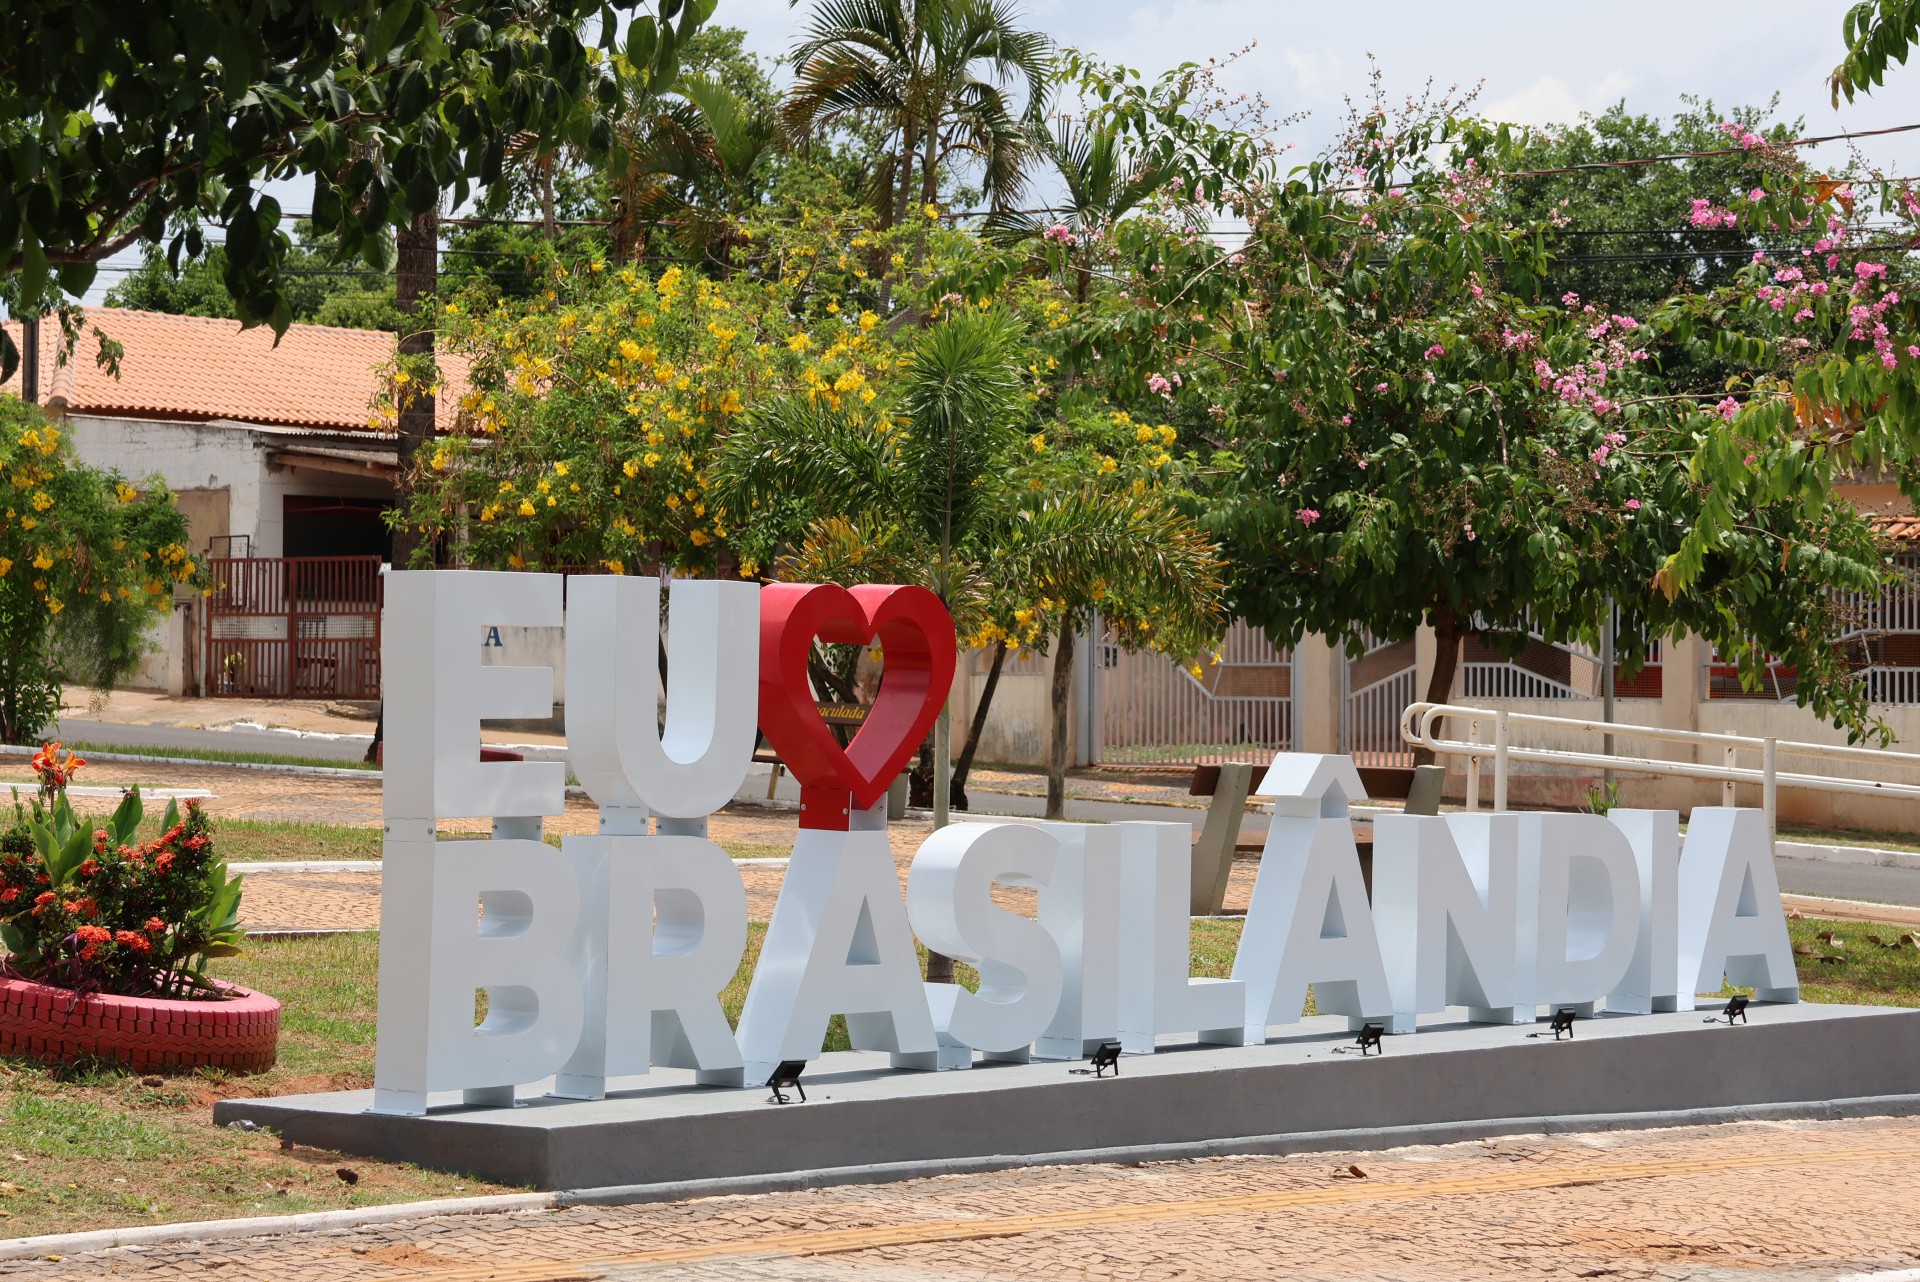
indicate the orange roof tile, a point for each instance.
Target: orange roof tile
{"x":200,"y":368}
{"x":1904,"y":526}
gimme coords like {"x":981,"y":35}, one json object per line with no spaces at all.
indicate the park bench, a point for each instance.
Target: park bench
{"x":1228,"y":784}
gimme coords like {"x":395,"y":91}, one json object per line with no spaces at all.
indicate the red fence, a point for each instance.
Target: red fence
{"x":304,"y":627}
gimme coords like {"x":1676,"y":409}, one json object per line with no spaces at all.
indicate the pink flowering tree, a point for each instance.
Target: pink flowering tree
{"x":1394,"y":422}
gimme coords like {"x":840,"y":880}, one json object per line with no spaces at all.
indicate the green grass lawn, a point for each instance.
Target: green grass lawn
{"x":90,"y":1149}
{"x":228,"y":756}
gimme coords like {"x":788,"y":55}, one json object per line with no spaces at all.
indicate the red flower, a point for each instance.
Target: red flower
{"x":196,"y":843}
{"x":10,"y":894}
{"x":163,"y":861}
{"x":85,"y":907}
{"x":90,"y":867}
{"x":93,"y":934}
{"x":155,"y":925}
{"x":99,"y":841}
{"x":139,"y":943}
{"x":90,"y":952}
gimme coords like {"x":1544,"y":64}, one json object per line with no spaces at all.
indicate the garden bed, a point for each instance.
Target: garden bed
{"x":235,"y":1033}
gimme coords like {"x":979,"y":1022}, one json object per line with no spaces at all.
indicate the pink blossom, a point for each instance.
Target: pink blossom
{"x":1600,"y":455}
{"x":1749,"y":460}
{"x":1633,"y":505}
{"x":1346,"y":419}
{"x":1470,"y":534}
{"x":1866,"y":270}
{"x":1728,"y":407}
{"x":1435,"y":351}
{"x":1570,"y":299}
{"x":1477,"y":291}
{"x":1758,"y":193}
{"x":1155,"y":383}
{"x":1379,"y":387}
{"x":1058,"y":232}
{"x":1309,"y":515}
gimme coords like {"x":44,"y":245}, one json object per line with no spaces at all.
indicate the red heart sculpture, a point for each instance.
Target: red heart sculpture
{"x":916,"y":633}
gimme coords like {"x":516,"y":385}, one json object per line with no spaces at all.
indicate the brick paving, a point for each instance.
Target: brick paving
{"x":1755,"y":1200}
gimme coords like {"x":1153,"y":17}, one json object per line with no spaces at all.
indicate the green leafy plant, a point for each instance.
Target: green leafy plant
{"x":90,"y":908}
{"x":1602,"y":798}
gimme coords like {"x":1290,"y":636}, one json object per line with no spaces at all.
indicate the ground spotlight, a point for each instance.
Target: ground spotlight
{"x":1563,"y":1022}
{"x":788,"y":1074}
{"x":1736,"y":1009}
{"x":1106,"y":1056}
{"x":1369,"y":1039}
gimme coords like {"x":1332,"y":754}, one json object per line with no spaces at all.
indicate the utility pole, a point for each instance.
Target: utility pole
{"x":1606,"y":687}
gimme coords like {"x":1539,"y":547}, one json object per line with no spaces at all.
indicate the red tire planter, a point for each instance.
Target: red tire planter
{"x":49,"y":1024}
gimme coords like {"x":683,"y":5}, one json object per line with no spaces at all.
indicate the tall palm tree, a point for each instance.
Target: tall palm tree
{"x":1102,"y":183}
{"x":696,"y":164}
{"x":940,"y":74}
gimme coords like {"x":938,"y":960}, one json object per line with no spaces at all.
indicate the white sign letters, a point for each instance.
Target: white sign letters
{"x":506,"y":962}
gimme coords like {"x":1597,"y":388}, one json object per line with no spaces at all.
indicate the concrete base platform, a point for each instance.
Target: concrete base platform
{"x":1450,"y":1081}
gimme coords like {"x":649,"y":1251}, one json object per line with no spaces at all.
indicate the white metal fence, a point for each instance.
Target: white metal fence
{"x":1154,"y":711}
{"x":1376,"y":686}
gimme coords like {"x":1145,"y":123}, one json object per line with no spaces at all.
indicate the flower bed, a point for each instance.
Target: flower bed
{"x":107,"y":938}
{"x":146,"y":1034}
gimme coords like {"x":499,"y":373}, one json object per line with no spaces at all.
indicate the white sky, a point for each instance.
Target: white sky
{"x":1542,"y":62}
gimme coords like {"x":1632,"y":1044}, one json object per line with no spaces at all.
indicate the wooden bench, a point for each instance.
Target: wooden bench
{"x":1229,"y":784}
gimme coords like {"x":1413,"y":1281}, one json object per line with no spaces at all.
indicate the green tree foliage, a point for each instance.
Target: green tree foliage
{"x":1399,"y":436}
{"x":116,"y":132}
{"x":317,"y":290}
{"x":88,"y":564}
{"x":1877,"y":32}
{"x":938,"y":76}
{"x":1626,"y":233}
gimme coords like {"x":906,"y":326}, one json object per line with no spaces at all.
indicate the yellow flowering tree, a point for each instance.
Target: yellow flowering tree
{"x":1023,"y":524}
{"x":585,"y":438}
{"x":87,"y":563}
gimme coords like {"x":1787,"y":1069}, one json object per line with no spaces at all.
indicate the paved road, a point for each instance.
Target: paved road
{"x":1849,"y":881}
{"x":1826,"y":1200}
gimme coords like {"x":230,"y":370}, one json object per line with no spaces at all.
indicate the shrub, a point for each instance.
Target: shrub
{"x":87,"y":561}
{"x":89,"y":908}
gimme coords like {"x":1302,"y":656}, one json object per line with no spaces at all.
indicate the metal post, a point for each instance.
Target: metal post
{"x":1726,"y":788}
{"x":942,"y":766}
{"x":1769,"y":788}
{"x":1606,"y":686}
{"x":1473,"y":766}
{"x":1499,"y":761}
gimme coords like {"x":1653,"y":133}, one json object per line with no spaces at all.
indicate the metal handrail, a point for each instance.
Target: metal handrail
{"x":1417,"y":728}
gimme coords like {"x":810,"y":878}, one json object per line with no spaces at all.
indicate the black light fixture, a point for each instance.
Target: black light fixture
{"x":1106,"y":1056}
{"x":1370,"y":1035}
{"x":1563,"y":1022}
{"x":788,"y":1074}
{"x":1736,"y":1009}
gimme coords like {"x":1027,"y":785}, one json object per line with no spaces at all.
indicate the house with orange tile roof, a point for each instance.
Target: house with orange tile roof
{"x":273,"y":448}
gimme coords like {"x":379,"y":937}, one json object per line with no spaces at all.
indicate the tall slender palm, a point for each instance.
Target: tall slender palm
{"x":1102,"y":183}
{"x":941,"y":75}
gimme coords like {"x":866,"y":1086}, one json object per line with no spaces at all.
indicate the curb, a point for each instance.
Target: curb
{"x":332,"y":772}
{"x":1370,"y":1139}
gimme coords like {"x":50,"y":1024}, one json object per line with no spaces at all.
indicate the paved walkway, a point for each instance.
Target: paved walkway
{"x":1802,"y":1200}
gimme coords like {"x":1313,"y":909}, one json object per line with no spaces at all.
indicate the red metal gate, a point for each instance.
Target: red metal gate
{"x":301,"y":627}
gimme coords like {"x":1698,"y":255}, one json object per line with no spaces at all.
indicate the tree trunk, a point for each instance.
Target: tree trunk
{"x":416,"y":277}
{"x":417,"y":273}
{"x":957,"y":795}
{"x":1447,"y":636}
{"x":1057,"y":748}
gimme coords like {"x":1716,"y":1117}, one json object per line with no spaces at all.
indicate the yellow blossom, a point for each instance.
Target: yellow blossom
{"x":517,"y":561}
{"x":42,"y":561}
{"x":615,"y":567}
{"x":799,"y":342}
{"x":868,"y":320}
{"x":698,"y":538}
{"x":1143,"y":434}
{"x":631,"y":468}
{"x":1039,"y":443}
{"x":526,"y":508}
{"x":5,"y":565}
{"x":931,"y":211}
{"x":42,"y":500}
{"x":651,"y":459}
{"x":126,"y":492}
{"x":1167,"y":435}
{"x":1107,"y":464}
{"x":559,"y":468}
{"x":673,"y":500}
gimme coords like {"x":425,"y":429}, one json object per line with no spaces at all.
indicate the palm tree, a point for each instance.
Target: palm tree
{"x":938,"y":74}
{"x":945,"y":504}
{"x":695,"y":164}
{"x":1102,"y":181}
